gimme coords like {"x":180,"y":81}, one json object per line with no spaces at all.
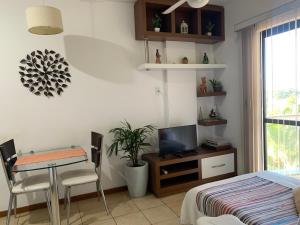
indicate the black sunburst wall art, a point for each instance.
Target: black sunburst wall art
{"x":45,"y":73}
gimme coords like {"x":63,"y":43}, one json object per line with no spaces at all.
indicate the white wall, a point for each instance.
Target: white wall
{"x":230,"y":52}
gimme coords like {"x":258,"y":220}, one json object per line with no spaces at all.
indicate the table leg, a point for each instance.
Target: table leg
{"x":54,"y":196}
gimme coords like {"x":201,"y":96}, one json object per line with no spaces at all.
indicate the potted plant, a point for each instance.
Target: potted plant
{"x":132,"y":142}
{"x":216,"y":85}
{"x":209,"y":27}
{"x":156,"y":21}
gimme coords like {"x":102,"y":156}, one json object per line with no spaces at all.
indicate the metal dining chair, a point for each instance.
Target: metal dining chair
{"x":16,"y":187}
{"x":85,"y":176}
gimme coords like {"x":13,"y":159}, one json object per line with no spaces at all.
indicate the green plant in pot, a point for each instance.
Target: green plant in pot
{"x":156,"y":22}
{"x":209,"y":27}
{"x":132,"y":142}
{"x":216,"y":85}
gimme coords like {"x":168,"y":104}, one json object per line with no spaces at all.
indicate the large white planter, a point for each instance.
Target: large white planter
{"x":137,"y":179}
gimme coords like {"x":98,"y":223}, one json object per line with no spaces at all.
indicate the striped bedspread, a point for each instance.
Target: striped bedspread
{"x":255,"y":201}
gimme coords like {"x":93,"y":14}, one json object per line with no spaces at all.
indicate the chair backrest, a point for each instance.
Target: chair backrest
{"x":96,"y":140}
{"x":9,"y":158}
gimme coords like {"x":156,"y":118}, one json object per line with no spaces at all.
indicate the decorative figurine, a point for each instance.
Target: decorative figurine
{"x":209,"y":27}
{"x":213,"y":114}
{"x":158,"y":61}
{"x":203,"y":86}
{"x":184,"y":27}
{"x":205,"y":59}
{"x":156,"y":22}
{"x":185,"y":60}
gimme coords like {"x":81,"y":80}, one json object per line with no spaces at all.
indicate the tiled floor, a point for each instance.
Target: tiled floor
{"x":124,"y":211}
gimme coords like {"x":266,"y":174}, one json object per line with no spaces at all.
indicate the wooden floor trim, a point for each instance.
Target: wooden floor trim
{"x":74,"y":199}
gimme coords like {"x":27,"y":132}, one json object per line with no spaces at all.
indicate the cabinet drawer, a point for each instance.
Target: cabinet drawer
{"x":217,"y":165}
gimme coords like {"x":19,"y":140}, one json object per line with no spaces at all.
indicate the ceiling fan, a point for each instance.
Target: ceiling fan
{"x":192,"y":3}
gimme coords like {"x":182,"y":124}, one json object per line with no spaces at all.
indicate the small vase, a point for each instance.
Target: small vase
{"x":157,"y":29}
{"x":209,"y":34}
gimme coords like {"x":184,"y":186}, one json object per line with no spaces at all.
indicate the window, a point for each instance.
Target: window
{"x":281,"y":117}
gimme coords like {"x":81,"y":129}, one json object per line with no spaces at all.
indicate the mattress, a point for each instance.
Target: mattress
{"x":193,"y":207}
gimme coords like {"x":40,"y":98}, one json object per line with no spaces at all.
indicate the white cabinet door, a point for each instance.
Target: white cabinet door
{"x":217,"y":165}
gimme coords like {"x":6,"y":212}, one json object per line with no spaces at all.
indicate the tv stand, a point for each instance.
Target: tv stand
{"x":177,"y":173}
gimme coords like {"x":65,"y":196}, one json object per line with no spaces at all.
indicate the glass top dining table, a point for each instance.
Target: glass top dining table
{"x":46,"y":164}
{"x":50,"y":160}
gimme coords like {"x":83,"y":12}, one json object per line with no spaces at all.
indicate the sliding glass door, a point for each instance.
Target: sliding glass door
{"x":281,"y":117}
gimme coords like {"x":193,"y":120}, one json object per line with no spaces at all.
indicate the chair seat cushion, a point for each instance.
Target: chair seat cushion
{"x":31,"y":184}
{"x":76,"y":177}
{"x":221,"y":220}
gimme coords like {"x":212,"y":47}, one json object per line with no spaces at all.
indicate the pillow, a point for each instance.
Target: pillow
{"x":221,"y":220}
{"x":296,"y":193}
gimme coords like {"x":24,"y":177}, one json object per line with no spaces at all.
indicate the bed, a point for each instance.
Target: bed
{"x":256,"y":198}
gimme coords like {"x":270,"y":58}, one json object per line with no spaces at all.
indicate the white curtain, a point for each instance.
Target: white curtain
{"x":271,"y":53}
{"x":252,"y":100}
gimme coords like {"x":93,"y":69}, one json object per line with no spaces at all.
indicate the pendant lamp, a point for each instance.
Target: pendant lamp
{"x":44,"y":20}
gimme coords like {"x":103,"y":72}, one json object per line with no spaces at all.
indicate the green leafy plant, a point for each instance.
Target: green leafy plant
{"x":130,"y":141}
{"x":210,"y":26}
{"x":156,"y":21}
{"x":216,"y":85}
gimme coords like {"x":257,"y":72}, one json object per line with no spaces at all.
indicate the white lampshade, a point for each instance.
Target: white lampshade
{"x":197,"y":3}
{"x":44,"y":20}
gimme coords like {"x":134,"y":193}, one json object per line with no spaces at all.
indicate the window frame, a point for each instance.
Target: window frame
{"x":279,"y":29}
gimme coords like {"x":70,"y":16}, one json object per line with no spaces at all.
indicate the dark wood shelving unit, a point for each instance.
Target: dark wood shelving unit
{"x":187,"y":171}
{"x":211,"y":94}
{"x":212,"y":122}
{"x":197,"y":20}
{"x":179,"y":172}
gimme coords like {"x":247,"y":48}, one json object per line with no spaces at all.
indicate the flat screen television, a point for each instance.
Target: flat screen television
{"x":177,"y":140}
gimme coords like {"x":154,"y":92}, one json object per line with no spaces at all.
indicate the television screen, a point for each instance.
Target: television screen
{"x":177,"y":139}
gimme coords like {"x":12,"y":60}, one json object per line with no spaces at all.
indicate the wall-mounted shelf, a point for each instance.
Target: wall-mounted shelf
{"x":211,"y":94}
{"x":197,"y":19}
{"x":212,"y":122}
{"x":154,"y":66}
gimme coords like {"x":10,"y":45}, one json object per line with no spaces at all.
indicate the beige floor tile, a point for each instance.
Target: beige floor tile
{"x":106,"y":222}
{"x":90,"y":204}
{"x":94,"y":215}
{"x":175,"y":207}
{"x":149,"y":201}
{"x":169,"y":222}
{"x":75,"y":219}
{"x":123,"y":208}
{"x":40,"y":217}
{"x":117,"y":198}
{"x":159,"y":214}
{"x":173,"y":198}
{"x":13,"y":220}
{"x":73,"y":209}
{"x":132,"y":219}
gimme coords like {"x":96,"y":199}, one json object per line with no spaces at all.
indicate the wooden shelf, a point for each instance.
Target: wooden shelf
{"x":197,"y":19}
{"x":154,"y":66}
{"x":178,"y":173}
{"x":211,"y":94}
{"x":212,"y":122}
{"x":168,"y":36}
